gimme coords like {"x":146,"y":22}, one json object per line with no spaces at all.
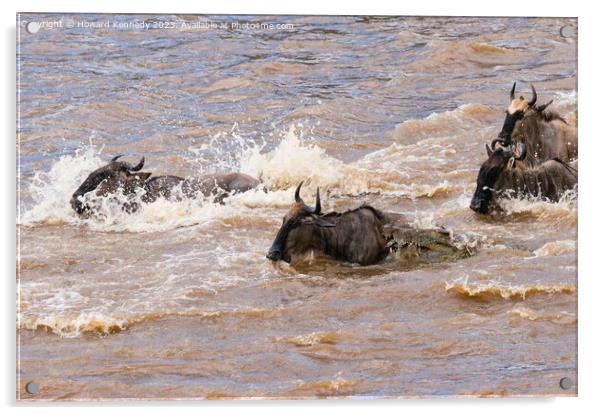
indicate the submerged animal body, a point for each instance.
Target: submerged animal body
{"x":219,"y":185}
{"x":119,"y":177}
{"x":505,"y":173}
{"x":545,"y":133}
{"x":364,"y":235}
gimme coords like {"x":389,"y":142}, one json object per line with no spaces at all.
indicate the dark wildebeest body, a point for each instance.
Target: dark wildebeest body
{"x":545,"y":133}
{"x":121,"y":177}
{"x":547,"y":137}
{"x":505,"y":171}
{"x":549,"y":180}
{"x":363,"y":235}
{"x":355,"y":236}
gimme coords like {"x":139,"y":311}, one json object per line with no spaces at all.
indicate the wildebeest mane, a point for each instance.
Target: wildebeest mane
{"x":534,"y":130}
{"x":549,"y":116}
{"x":544,"y":180}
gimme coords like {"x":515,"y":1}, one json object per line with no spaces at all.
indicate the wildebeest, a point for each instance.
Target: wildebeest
{"x":122,"y":177}
{"x":505,"y":171}
{"x":363,"y":235}
{"x":546,"y":134}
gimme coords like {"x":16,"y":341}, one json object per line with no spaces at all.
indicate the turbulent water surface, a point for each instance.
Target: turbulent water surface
{"x":178,"y":299}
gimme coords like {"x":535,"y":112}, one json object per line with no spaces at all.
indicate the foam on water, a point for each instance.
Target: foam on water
{"x":564,"y":210}
{"x":163,"y":214}
{"x":557,"y":248}
{"x":311,"y":339}
{"x":114,"y":304}
{"x":72,"y":325}
{"x":504,"y":290}
{"x":293,"y":160}
{"x":281,"y":169}
{"x":527,"y":313}
{"x":51,"y":191}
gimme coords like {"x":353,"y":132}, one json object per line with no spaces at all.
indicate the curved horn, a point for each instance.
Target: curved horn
{"x":534,"y":99}
{"x":297,"y":197}
{"x":497,"y":140}
{"x":116,"y":157}
{"x":318,"y":207}
{"x":137,"y":166}
{"x":489,"y":150}
{"x":512,"y":92}
{"x":540,"y":108}
{"x":523,"y":152}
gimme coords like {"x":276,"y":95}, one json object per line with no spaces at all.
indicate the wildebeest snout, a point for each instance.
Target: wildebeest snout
{"x":77,"y":205}
{"x":479,"y":205}
{"x":274,"y":254}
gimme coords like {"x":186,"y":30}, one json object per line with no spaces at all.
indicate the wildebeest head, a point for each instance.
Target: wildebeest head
{"x":499,"y":160}
{"x":295,"y":234}
{"x":109,"y":179}
{"x":517,"y":110}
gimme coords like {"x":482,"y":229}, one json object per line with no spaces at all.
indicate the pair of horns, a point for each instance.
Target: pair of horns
{"x":128,"y":166}
{"x":523,"y":152}
{"x":494,"y":143}
{"x":520,"y":156}
{"x":533,"y":99}
{"x":298,"y":199}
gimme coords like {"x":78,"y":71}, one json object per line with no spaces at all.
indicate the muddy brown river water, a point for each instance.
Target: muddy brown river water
{"x":179,"y":301}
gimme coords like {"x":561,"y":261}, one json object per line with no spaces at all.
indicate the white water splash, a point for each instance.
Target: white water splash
{"x":281,"y":169}
{"x":292,"y":161}
{"x":51,"y":191}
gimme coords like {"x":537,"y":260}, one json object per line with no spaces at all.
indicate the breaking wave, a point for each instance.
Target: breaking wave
{"x":311,"y":339}
{"x":527,"y":313}
{"x":103,"y":324}
{"x":498,"y":289}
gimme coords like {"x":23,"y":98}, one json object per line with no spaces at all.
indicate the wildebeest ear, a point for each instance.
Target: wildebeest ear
{"x":142,"y":175}
{"x":323,"y":222}
{"x":541,"y":108}
{"x":489,"y":150}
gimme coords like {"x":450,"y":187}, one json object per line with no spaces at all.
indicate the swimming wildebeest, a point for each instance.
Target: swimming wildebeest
{"x":505,"y":171}
{"x":364,"y":235}
{"x":120,"y":176}
{"x":546,"y":134}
